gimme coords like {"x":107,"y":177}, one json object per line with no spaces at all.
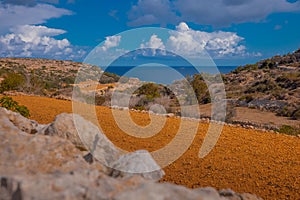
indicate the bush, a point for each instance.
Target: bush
{"x":246,"y":98}
{"x":12,"y":82}
{"x":109,"y":78}
{"x":286,"y":111}
{"x":200,"y":88}
{"x":264,"y":86}
{"x":10,"y":104}
{"x":150,"y":90}
{"x":289,"y":130}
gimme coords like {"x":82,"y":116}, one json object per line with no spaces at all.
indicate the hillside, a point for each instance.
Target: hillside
{"x":272,"y":84}
{"x":38,"y":76}
{"x":44,"y":77}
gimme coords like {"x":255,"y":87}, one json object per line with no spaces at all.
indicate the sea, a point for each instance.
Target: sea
{"x":165,"y":75}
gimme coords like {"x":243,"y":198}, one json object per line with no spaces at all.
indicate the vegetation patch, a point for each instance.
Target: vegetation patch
{"x":10,"y":104}
{"x":289,"y":130}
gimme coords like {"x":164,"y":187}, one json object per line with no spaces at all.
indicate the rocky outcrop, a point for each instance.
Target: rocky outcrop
{"x":138,"y":162}
{"x":64,"y":126}
{"x":37,"y":166}
{"x":20,"y":122}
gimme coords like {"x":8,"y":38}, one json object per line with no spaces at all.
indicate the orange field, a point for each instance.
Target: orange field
{"x":244,"y":160}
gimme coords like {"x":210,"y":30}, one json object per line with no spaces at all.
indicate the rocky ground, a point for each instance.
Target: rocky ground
{"x":245,"y":160}
{"x":271,"y":84}
{"x":44,"y":162}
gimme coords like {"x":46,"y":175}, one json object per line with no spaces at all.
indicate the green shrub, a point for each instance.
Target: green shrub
{"x":139,"y":108}
{"x":10,"y":104}
{"x":200,"y":88}
{"x":23,"y":110}
{"x":286,"y":111}
{"x":150,"y":90}
{"x":109,"y":78}
{"x":289,"y":130}
{"x":264,"y":86}
{"x":12,"y":82}
{"x":247,"y":98}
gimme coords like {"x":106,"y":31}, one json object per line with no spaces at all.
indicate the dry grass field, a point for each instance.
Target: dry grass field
{"x":244,"y":160}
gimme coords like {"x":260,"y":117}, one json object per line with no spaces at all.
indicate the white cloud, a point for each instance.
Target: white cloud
{"x":37,"y":41}
{"x":18,"y":15}
{"x":189,"y":42}
{"x":183,"y":41}
{"x":217,"y":13}
{"x":32,"y":33}
{"x":110,"y":42}
{"x":155,"y":43}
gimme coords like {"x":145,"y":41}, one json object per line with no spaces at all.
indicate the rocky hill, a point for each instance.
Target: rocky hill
{"x":37,"y":76}
{"x":272,"y":84}
{"x":52,"y":78}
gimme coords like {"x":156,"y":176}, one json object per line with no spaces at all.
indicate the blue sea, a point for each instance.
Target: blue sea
{"x":163,"y":74}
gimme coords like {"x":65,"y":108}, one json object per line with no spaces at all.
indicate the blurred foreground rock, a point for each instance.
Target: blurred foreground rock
{"x":137,"y":163}
{"x":64,"y":127}
{"x":51,"y":166}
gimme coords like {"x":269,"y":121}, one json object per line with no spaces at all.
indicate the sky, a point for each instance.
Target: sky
{"x":232,"y":32}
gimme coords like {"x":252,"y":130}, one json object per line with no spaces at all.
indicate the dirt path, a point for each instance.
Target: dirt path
{"x":244,"y":160}
{"x":254,"y":115}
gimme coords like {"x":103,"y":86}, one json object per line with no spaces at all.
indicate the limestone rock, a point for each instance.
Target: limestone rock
{"x":84,"y":135}
{"x":38,"y":154}
{"x":208,"y":193}
{"x":152,"y":191}
{"x":137,"y":163}
{"x":20,"y":122}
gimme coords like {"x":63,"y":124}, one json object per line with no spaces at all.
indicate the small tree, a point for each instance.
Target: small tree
{"x":12,"y":82}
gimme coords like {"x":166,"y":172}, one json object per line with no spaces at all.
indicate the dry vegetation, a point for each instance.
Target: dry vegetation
{"x":244,"y":160}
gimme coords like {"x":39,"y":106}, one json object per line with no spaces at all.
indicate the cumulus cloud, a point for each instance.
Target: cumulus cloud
{"x":37,"y":41}
{"x":18,"y":15}
{"x":154,"y":43}
{"x":193,"y":43}
{"x":189,"y":42}
{"x":110,"y":42}
{"x":218,"y":13}
{"x":158,"y":47}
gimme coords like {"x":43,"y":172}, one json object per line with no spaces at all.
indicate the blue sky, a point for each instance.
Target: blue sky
{"x":233,"y":32}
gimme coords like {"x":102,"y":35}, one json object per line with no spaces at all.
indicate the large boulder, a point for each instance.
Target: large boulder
{"x":137,"y":163}
{"x":35,"y":154}
{"x":84,"y":135}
